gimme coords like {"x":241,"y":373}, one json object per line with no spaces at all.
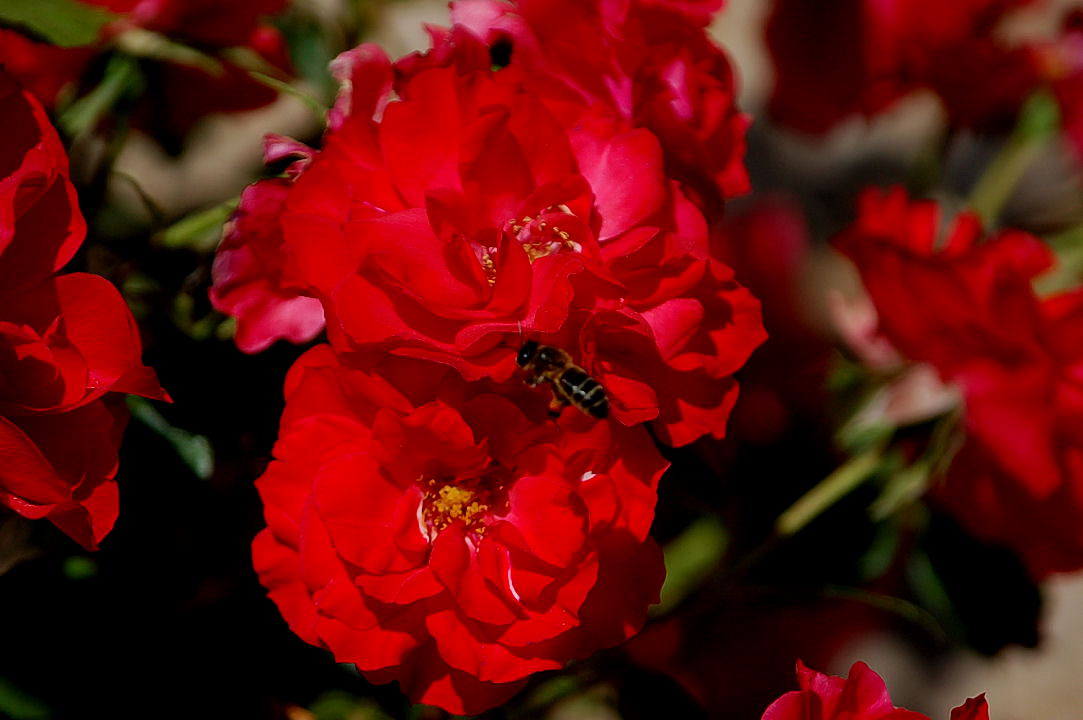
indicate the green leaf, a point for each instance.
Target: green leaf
{"x":285,"y":88}
{"x":899,"y":607}
{"x":194,"y":450}
{"x":881,"y":553}
{"x":80,"y":567}
{"x":66,"y":23}
{"x":903,"y":487}
{"x":1068,"y":272}
{"x":341,"y":705}
{"x":122,"y":76}
{"x":840,"y":483}
{"x":930,"y":591}
{"x":199,"y":231}
{"x":141,"y":43}
{"x":1038,"y":122}
{"x":690,"y":558}
{"x":16,"y":704}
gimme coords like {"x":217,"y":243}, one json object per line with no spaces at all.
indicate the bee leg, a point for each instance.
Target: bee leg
{"x":534,"y":381}
{"x":556,"y":405}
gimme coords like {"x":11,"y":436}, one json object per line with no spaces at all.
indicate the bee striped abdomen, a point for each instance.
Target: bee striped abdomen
{"x":584,"y":392}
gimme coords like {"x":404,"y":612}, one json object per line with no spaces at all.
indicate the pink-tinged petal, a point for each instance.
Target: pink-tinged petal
{"x":625,"y":170}
{"x":364,"y":77}
{"x":277,"y":148}
{"x":267,"y":318}
{"x":249,"y":274}
{"x":674,"y":324}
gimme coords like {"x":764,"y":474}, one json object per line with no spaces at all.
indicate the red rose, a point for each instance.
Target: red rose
{"x":968,"y":309}
{"x":853,"y":57}
{"x":650,"y":63}
{"x":859,"y":696}
{"x":66,"y":342}
{"x":447,"y":535}
{"x":254,"y":279}
{"x":249,"y":267}
{"x":457,"y":221}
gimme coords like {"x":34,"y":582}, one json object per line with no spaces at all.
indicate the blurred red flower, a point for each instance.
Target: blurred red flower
{"x":448,"y":535}
{"x":463,"y":217}
{"x":649,"y":62}
{"x":180,"y":95}
{"x":859,"y":696}
{"x":66,"y":341}
{"x":853,"y":57}
{"x":967,"y":307}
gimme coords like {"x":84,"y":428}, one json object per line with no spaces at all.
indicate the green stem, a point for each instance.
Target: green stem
{"x":121,"y":76}
{"x":1038,"y":121}
{"x":829,"y":491}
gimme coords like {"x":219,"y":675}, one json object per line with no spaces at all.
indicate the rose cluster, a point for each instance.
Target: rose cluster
{"x":546,"y":173}
{"x":68,"y":343}
{"x":861,"y":695}
{"x":966,"y":305}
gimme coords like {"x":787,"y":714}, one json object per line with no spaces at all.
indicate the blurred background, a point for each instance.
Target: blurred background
{"x":168,"y":619}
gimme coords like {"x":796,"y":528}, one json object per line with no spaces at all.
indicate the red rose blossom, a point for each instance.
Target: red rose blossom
{"x":67,"y":342}
{"x":457,"y":221}
{"x":650,"y":62}
{"x":254,"y":279}
{"x":854,"y":57}
{"x":249,"y":267}
{"x":447,"y":534}
{"x":859,"y":696}
{"x":967,"y":307}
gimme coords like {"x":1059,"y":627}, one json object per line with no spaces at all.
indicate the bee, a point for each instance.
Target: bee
{"x":571,"y":383}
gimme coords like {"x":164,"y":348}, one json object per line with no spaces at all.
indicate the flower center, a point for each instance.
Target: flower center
{"x":539,"y":236}
{"x":467,"y":501}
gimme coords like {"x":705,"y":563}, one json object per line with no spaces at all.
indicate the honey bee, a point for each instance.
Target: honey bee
{"x":571,"y":383}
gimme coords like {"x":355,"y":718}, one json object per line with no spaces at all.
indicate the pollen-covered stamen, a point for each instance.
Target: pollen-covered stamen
{"x":469,"y":501}
{"x":487,"y":257}
{"x":543,"y":235}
